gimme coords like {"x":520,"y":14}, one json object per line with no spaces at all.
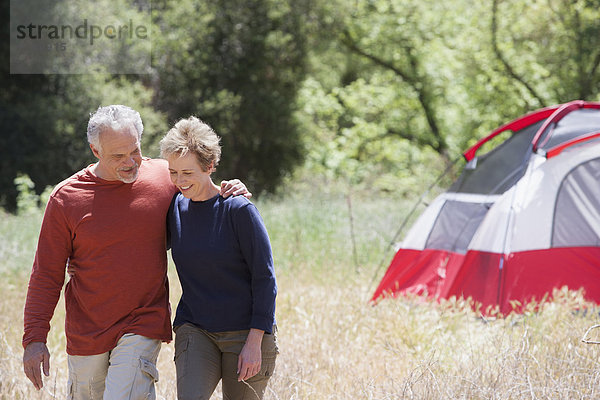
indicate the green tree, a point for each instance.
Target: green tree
{"x":550,"y":49}
{"x":236,"y":64}
{"x":43,"y":121}
{"x":385,"y":113}
{"x":413,"y":83}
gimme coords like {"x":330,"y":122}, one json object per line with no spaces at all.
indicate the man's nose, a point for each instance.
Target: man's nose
{"x":130,"y":161}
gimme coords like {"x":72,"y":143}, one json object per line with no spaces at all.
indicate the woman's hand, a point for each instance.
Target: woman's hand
{"x":250,"y":359}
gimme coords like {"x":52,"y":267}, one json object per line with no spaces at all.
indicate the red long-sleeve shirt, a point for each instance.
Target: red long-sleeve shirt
{"x":113,"y":233}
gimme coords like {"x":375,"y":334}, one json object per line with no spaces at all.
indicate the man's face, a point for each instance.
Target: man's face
{"x":119,"y":156}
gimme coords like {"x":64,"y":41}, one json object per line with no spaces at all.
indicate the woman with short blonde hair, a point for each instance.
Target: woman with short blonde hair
{"x":192,"y":135}
{"x":225,"y":321}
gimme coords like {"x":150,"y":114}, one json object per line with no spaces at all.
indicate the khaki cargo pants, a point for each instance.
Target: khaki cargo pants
{"x":204,"y":358}
{"x":127,"y":372}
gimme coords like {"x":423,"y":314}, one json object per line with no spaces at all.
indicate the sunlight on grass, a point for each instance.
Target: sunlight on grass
{"x":333,"y":344}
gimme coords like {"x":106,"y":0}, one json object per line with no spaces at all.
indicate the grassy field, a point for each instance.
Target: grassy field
{"x":333,"y":344}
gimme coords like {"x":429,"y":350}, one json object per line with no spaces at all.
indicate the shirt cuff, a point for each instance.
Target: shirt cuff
{"x":263,"y":323}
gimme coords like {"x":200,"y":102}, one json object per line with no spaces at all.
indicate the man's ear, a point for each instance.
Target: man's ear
{"x":95,"y":151}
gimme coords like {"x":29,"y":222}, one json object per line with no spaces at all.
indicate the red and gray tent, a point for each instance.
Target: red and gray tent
{"x":520,"y":221}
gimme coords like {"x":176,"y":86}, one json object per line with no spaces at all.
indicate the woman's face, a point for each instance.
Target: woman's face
{"x":187,"y":174}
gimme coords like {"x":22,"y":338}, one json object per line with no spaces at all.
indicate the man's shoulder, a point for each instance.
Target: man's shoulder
{"x":156,"y":170}
{"x":73,"y":182}
{"x":154,"y":180}
{"x":155,"y":162}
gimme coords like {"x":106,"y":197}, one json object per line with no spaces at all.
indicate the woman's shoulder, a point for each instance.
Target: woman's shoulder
{"x":178,"y":201}
{"x":236,"y":201}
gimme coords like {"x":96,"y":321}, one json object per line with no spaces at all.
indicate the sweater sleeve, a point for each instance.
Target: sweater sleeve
{"x":256,"y":250}
{"x":48,"y":273}
{"x":169,"y":214}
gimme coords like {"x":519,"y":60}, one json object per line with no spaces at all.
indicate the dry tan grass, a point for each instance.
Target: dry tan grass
{"x":334,"y":345}
{"x":337,"y":347}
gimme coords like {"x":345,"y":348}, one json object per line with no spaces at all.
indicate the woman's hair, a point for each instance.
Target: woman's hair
{"x":191,"y":135}
{"x":115,"y":117}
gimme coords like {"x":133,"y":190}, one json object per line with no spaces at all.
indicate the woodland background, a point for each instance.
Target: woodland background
{"x":380,"y":95}
{"x":337,"y":114}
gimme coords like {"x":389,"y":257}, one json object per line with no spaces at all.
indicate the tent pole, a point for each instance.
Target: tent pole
{"x":500,"y":281}
{"x":407,"y":218}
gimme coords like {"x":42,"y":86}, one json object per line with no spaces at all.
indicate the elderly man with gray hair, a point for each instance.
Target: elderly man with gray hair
{"x":107,"y":223}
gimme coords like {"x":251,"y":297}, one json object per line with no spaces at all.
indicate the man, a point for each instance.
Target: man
{"x":107,"y":223}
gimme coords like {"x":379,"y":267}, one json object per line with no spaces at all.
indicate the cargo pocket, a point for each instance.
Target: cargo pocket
{"x":268,"y":366}
{"x":149,"y":369}
{"x":94,"y":387}
{"x":270,"y":350}
{"x":69,"y":389}
{"x":143,"y":385}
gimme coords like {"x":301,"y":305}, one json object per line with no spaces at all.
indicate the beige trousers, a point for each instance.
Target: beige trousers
{"x":127,"y":372}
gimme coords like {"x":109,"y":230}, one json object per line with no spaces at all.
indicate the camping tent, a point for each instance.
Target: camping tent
{"x":520,"y":220}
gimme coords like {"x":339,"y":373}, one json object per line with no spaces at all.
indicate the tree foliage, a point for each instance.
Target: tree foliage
{"x":388,"y":109}
{"x":379,"y":93}
{"x":44,"y":120}
{"x":423,"y":79}
{"x":238,"y":67}
{"x":550,"y":48}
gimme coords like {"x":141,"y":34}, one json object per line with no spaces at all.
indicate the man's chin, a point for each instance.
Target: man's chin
{"x":128,"y":178}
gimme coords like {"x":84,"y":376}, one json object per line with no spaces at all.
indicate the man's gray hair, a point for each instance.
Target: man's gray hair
{"x":115,"y":117}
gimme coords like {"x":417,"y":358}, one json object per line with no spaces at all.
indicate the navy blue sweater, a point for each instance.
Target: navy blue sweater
{"x":223,"y":257}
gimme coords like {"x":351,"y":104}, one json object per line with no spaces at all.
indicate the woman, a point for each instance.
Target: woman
{"x":225,"y":320}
